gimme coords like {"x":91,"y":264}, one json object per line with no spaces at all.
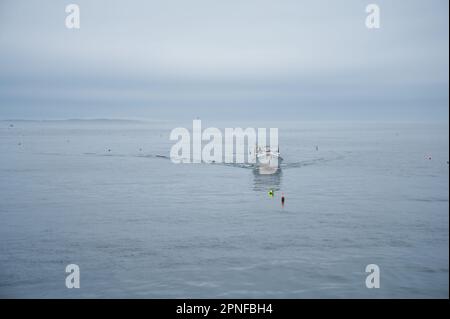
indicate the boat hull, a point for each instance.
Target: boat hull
{"x":268,"y":163}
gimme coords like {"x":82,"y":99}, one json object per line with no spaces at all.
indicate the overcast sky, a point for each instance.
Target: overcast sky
{"x":224,"y":58}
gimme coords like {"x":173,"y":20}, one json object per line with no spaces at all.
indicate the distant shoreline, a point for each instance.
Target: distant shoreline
{"x":78,"y":120}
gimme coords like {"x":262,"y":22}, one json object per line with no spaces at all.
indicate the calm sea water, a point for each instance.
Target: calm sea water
{"x":94,"y":193}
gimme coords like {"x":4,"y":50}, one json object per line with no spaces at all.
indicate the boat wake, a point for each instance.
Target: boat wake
{"x":285,"y":164}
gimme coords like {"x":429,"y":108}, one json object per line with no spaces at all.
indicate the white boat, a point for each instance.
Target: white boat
{"x":267,"y":160}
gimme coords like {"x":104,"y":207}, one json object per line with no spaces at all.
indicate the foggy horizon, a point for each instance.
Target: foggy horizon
{"x":302,"y":60}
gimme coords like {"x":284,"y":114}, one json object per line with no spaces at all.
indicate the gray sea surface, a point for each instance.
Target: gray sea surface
{"x":102,"y":194}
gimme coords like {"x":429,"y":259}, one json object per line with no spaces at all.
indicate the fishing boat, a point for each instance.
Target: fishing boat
{"x":267,"y":160}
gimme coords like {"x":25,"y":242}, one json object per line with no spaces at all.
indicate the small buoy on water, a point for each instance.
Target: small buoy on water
{"x":271,"y":192}
{"x":282,"y":199}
